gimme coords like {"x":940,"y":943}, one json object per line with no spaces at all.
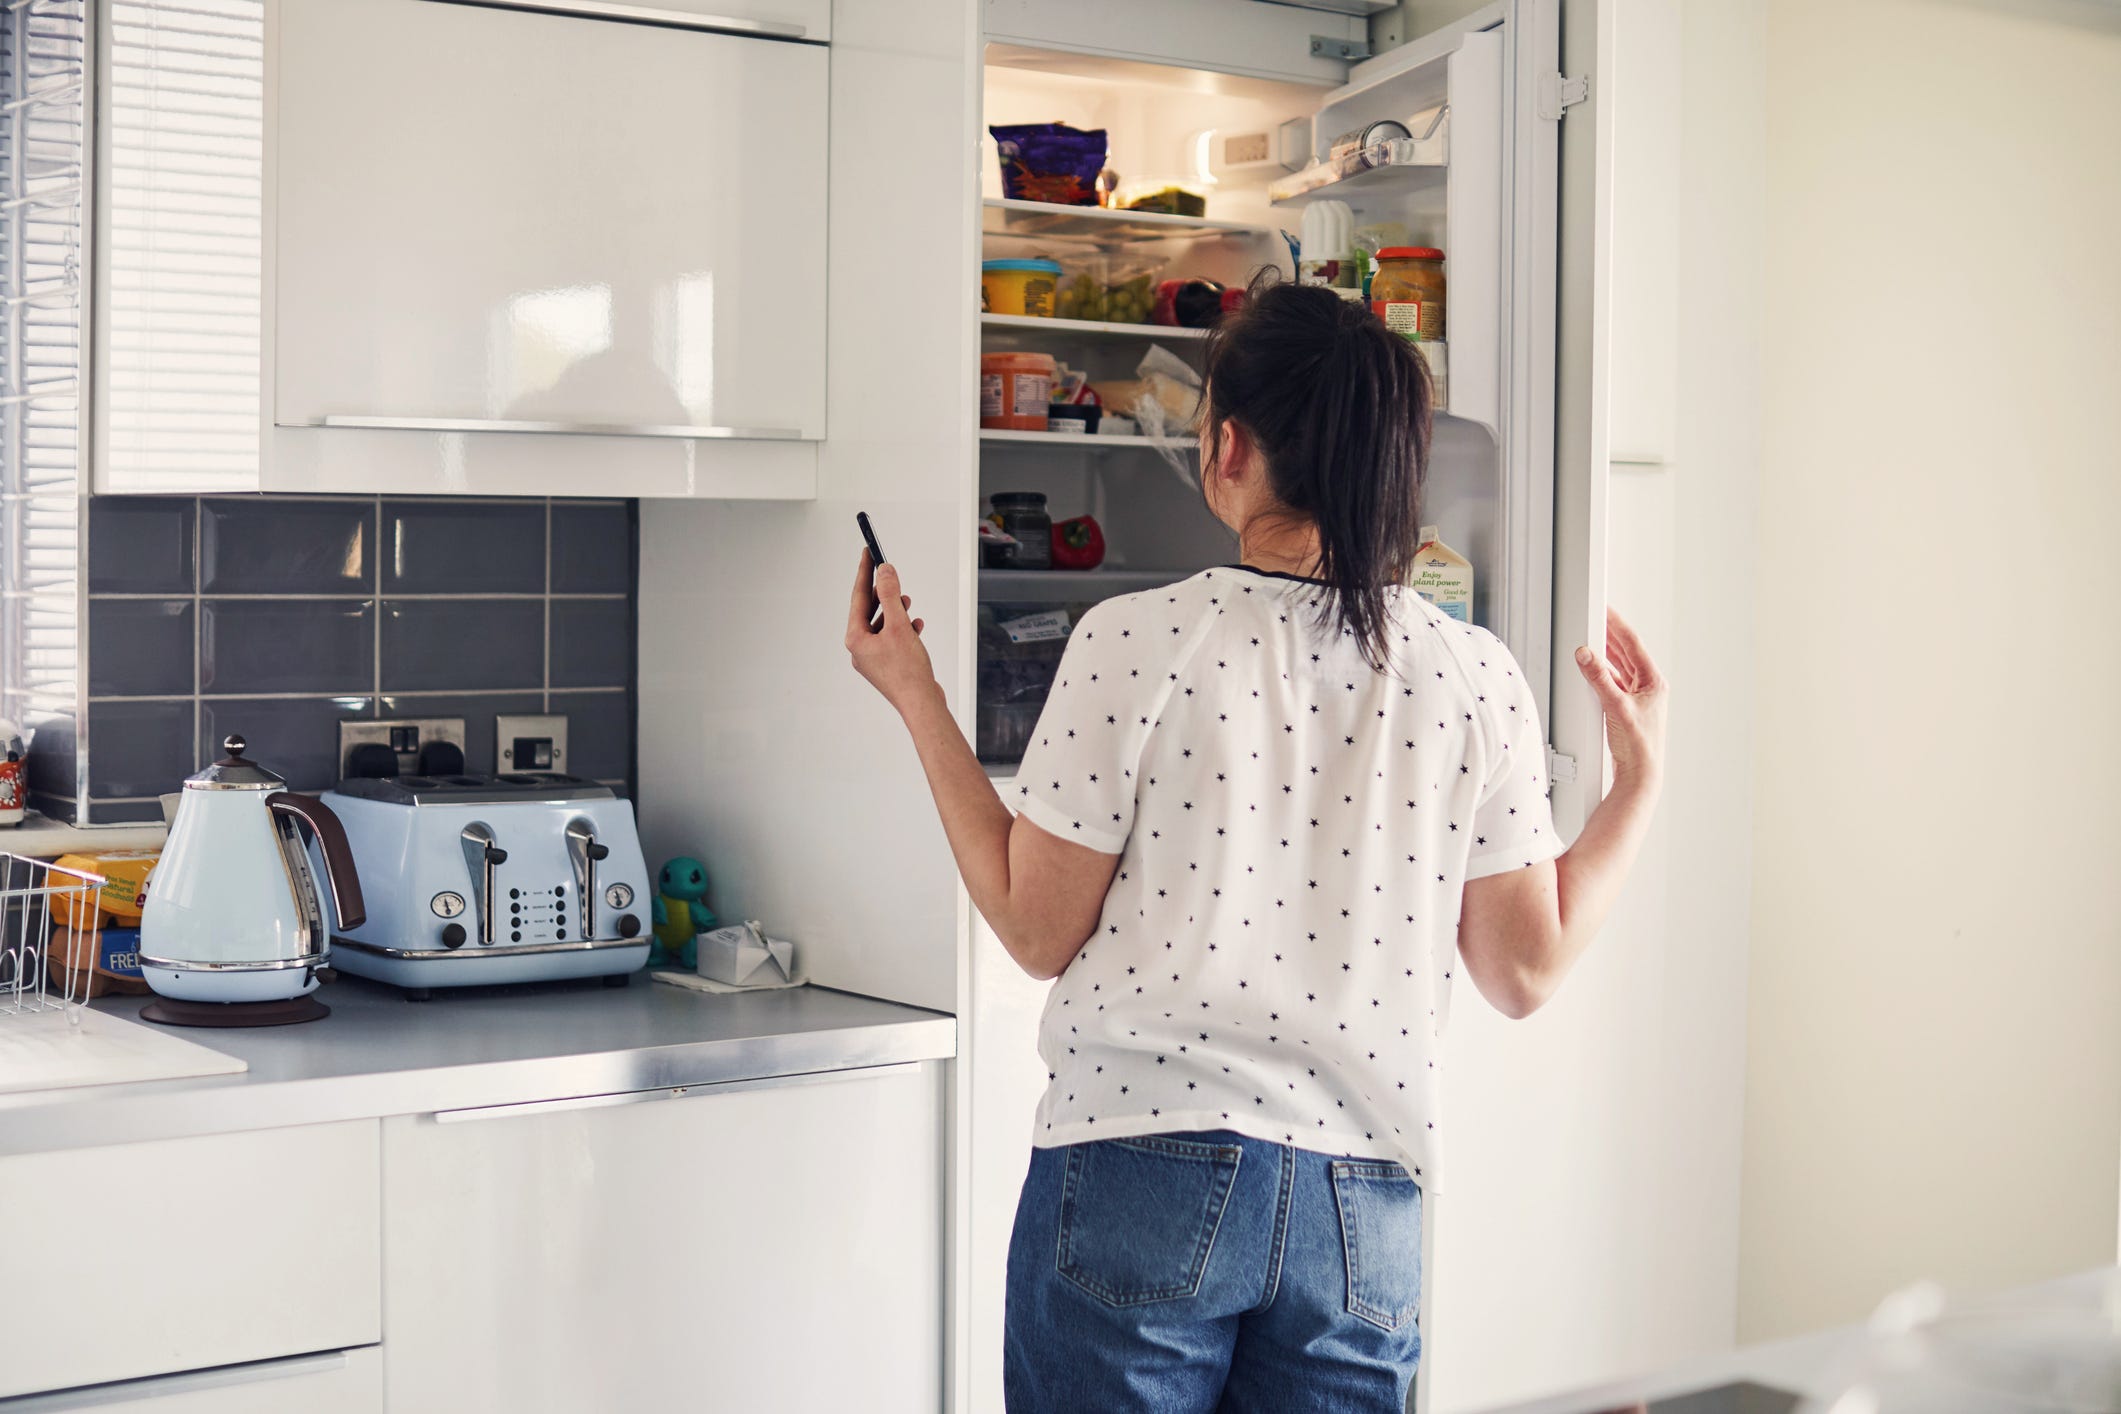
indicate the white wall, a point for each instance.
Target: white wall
{"x":1591,"y":1227}
{"x":761,"y":751}
{"x":1934,"y":1077}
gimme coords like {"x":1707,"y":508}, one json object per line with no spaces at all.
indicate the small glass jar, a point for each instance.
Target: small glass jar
{"x":1023,"y":515}
{"x":1407,"y":292}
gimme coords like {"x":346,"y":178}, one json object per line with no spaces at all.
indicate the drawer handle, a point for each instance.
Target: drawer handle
{"x":567,"y":429}
{"x":670,"y":1092}
{"x":650,"y":15}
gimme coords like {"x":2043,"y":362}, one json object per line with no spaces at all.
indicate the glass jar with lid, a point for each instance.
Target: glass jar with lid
{"x":1407,"y":292}
{"x":1022,"y":514}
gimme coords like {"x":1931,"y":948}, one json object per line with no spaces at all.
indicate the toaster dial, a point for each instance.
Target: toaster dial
{"x":618,"y":895}
{"x":447,"y":905}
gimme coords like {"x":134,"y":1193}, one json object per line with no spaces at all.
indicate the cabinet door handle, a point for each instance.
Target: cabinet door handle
{"x":669,"y":1092}
{"x":568,"y":429}
{"x":650,"y":15}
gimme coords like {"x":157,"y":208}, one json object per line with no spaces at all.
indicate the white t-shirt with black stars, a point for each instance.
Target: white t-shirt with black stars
{"x":1295,"y":830}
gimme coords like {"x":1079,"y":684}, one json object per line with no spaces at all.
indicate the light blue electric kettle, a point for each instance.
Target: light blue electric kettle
{"x":232,"y":912}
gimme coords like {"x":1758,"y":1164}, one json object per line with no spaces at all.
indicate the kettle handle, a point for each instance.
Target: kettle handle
{"x":339,"y":870}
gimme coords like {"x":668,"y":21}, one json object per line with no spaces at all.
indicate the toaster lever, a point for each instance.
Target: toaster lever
{"x":583,"y":852}
{"x":482,"y":857}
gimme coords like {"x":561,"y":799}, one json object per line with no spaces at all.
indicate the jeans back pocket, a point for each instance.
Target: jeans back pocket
{"x":1139,"y":1216}
{"x":1380,"y":1233}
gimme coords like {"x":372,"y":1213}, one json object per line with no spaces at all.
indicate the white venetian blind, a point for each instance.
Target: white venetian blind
{"x":184,"y":230}
{"x":41,"y":206}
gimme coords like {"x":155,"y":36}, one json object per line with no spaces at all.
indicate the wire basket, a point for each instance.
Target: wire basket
{"x":39,"y":903}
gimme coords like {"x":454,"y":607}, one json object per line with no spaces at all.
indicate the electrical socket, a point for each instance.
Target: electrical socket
{"x":404,"y":735}
{"x":542,"y":741}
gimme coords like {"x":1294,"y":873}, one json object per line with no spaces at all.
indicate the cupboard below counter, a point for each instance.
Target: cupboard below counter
{"x":550,"y":1198}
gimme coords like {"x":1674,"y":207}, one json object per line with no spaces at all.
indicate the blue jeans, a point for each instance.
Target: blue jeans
{"x":1211,"y":1272}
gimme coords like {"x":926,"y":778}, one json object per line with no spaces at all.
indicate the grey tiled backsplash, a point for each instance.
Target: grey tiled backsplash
{"x":278,"y":617}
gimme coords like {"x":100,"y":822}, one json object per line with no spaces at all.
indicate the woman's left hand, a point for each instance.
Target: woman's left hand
{"x":893,"y":658}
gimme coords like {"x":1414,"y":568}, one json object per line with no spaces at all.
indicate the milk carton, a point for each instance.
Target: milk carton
{"x":1443,"y":576}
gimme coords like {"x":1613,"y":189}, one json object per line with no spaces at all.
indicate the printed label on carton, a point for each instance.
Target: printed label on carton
{"x":1444,"y":577}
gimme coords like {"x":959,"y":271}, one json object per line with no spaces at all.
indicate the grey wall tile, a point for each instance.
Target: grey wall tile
{"x":140,"y":647}
{"x":139,"y":748}
{"x":50,"y":764}
{"x":478,"y":712}
{"x":592,"y":547}
{"x":295,"y":738}
{"x":249,"y":646}
{"x":62,"y":808}
{"x":124,"y":812}
{"x":140,"y":544}
{"x":274,"y":546}
{"x":441,"y":644}
{"x":449,"y":547}
{"x":599,"y":733}
{"x":592,"y":643}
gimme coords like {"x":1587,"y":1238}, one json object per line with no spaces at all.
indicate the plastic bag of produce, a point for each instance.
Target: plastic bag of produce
{"x":1107,"y":289}
{"x":1050,"y":162}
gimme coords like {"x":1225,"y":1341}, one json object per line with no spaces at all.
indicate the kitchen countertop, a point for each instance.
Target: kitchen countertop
{"x":1814,"y":1365}
{"x":378,"y":1054}
{"x":40,"y":837}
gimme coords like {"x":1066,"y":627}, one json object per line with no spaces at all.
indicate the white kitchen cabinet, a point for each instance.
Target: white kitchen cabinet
{"x":334,"y":1382}
{"x":506,"y":248}
{"x":768,"y":1246}
{"x":523,"y":220}
{"x":180,"y":1254}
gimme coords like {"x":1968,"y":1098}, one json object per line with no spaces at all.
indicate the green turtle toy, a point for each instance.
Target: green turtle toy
{"x":681,"y":913}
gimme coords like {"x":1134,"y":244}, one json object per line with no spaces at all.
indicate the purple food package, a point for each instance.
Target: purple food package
{"x":1050,"y":162}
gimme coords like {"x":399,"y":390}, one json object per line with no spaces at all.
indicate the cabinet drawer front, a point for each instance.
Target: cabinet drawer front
{"x":338,"y":1382}
{"x":507,"y":216}
{"x":143,"y":1259}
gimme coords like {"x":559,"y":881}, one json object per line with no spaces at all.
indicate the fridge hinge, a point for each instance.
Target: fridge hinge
{"x":1561,"y":767}
{"x":1325,"y":46}
{"x":1558,"y":94}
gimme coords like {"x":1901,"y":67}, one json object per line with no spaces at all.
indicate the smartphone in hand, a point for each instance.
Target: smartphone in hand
{"x":876,"y":561}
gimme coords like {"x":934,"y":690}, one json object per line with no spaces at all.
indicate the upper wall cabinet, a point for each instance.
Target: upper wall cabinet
{"x":513,"y":247}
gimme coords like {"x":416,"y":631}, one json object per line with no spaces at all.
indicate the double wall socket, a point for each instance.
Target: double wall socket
{"x":406,"y":736}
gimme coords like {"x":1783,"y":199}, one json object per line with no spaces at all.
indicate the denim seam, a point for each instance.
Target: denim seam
{"x":1226,"y":1181}
{"x":1351,"y":1244}
{"x":1279,"y":1247}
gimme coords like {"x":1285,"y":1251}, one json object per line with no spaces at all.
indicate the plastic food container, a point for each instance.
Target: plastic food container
{"x":1022,"y":287}
{"x":1407,"y":291}
{"x":1014,"y":391}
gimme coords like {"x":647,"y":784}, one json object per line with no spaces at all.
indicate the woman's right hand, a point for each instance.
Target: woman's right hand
{"x":1633,"y":694}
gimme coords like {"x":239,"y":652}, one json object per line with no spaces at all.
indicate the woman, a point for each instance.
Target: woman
{"x":1265,"y":817}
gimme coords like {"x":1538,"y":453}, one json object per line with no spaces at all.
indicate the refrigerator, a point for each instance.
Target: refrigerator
{"x":1505,"y":167}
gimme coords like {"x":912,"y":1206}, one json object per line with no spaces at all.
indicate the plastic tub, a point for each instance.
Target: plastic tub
{"x":1022,"y":287}
{"x":1014,"y":390}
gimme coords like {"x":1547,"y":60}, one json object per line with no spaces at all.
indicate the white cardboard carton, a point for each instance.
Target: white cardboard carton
{"x":743,"y":956}
{"x":1443,"y":576}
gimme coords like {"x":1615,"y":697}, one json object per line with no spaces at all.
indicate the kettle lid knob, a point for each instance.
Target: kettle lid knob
{"x":233,"y":745}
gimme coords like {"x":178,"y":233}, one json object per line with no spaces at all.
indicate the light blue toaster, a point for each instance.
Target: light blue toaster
{"x":481,"y":880}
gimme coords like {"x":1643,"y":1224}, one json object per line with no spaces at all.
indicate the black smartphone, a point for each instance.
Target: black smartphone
{"x":876,"y":559}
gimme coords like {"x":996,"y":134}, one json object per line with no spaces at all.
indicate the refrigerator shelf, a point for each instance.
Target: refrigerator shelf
{"x":1079,"y":442}
{"x":1071,"y":586}
{"x":1100,"y":226}
{"x":1088,"y":328}
{"x":1391,"y":169}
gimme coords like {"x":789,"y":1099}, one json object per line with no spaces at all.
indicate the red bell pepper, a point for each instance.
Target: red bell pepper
{"x":1078,"y":544}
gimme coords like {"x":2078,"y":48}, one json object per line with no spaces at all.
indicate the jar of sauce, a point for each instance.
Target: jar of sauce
{"x":1407,"y":292}
{"x":1023,"y":515}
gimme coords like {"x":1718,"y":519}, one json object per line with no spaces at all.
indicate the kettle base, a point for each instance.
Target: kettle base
{"x":172,"y":1012}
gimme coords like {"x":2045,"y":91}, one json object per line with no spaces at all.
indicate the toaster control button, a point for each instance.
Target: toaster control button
{"x":447,"y":905}
{"x":453,"y":935}
{"x":629,"y":926}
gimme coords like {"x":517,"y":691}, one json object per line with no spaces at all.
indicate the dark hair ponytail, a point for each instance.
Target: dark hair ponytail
{"x":1339,"y":408}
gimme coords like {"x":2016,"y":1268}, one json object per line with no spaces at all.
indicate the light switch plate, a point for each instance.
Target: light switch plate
{"x":405,"y":735}
{"x":535,"y":734}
